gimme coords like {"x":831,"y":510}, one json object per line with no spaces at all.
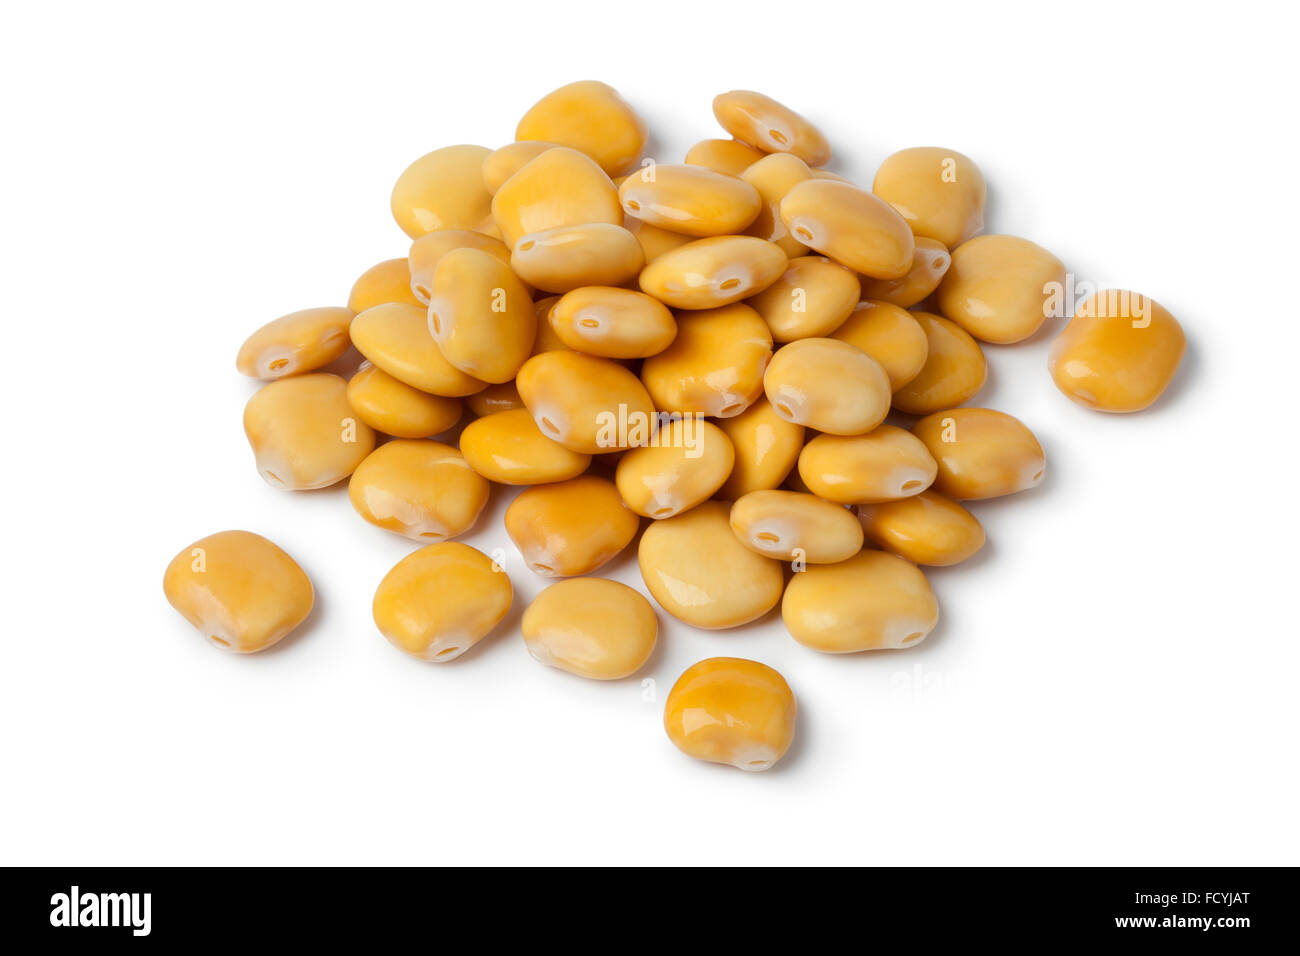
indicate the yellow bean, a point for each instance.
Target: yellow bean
{"x":389,"y":281}
{"x":509,"y":448}
{"x":568,"y":257}
{"x":239,"y":590}
{"x":891,"y":336}
{"x":774,"y":176}
{"x":731,"y":711}
{"x":443,"y":190}
{"x":771,"y":126}
{"x":591,"y":627}
{"x":438,"y":602}
{"x":587,"y":404}
{"x":570,"y":527}
{"x":714,"y":366}
{"x":295,"y":343}
{"x":509,"y":159}
{"x":700,"y":574}
{"x":690,"y":199}
{"x":396,"y":338}
{"x":930,"y":261}
{"x":998,"y":287}
{"x":728,"y":156}
{"x":613,"y":323}
{"x":709,"y":273}
{"x":813,"y":298}
{"x":829,"y":385}
{"x":689,"y":461}
{"x":767,"y":448}
{"x":495,"y":398}
{"x":654,"y":241}
{"x":870,"y":602}
{"x":397,"y":409}
{"x":1119,"y":352}
{"x":926,"y":528}
{"x":423,"y":490}
{"x":591,"y":117}
{"x":884,"y":464}
{"x":852,"y":226}
{"x":561,"y":187}
{"x":954,"y":369}
{"x":938,"y":191}
{"x":304,"y":433}
{"x":790,"y":526}
{"x":427,"y":251}
{"x":481,"y":315}
{"x":981,"y":453}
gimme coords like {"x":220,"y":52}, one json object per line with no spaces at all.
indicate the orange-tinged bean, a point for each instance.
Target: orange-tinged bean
{"x":925,"y":529}
{"x":587,"y":404}
{"x":591,"y":627}
{"x":731,"y":711}
{"x":882,"y":465}
{"x":713,"y":272}
{"x":954,"y":368}
{"x":295,"y":343}
{"x":422,"y":490}
{"x":561,"y":187}
{"x":495,"y":398}
{"x":829,"y":385}
{"x":998,"y":288}
{"x":591,"y":117}
{"x":1118,"y":353}
{"x":613,"y":323}
{"x":388,"y":281}
{"x":481,"y":315}
{"x":509,"y":448}
{"x":981,"y":453}
{"x":714,"y":366}
{"x":852,"y":226}
{"x":812,"y":299}
{"x":396,"y":338}
{"x":790,"y":526}
{"x":767,"y":448}
{"x":891,"y":336}
{"x":304,"y":433}
{"x":689,"y":199}
{"x":771,"y":126}
{"x":397,"y":409}
{"x":774,"y":176}
{"x":509,"y":159}
{"x":654,"y":241}
{"x":689,"y":460}
{"x":569,"y":257}
{"x":427,"y":251}
{"x":728,"y":156}
{"x":872,"y":601}
{"x":938,"y":191}
{"x":570,"y":527}
{"x":930,"y":262}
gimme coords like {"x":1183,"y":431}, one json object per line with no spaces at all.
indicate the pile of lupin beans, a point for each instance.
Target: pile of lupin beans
{"x":703,"y":353}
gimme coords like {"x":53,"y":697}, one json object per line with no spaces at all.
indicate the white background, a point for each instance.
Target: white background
{"x":1113,"y":680}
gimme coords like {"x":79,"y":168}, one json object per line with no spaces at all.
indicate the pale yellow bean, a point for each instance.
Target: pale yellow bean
{"x":891,"y":336}
{"x":427,"y":251}
{"x":774,"y":176}
{"x":690,"y":199}
{"x":700,"y":574}
{"x":885,"y":464}
{"x":790,"y":526}
{"x":930,"y":262}
{"x":728,"y":156}
{"x":771,"y":126}
{"x":981,"y":453}
{"x":295,"y":343}
{"x":938,"y":191}
{"x":999,"y":288}
{"x":569,"y":257}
